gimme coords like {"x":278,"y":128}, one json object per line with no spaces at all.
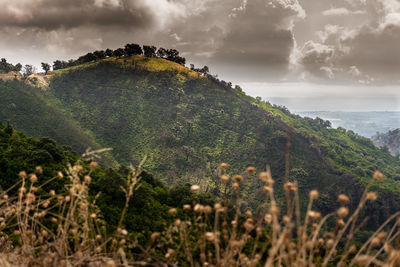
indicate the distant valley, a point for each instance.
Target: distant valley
{"x":364,"y":123}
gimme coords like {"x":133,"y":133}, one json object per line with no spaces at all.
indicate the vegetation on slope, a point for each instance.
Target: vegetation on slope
{"x":30,"y":111}
{"x":147,"y":210}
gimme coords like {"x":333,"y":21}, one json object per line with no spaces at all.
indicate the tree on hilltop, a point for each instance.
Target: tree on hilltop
{"x":119,"y":52}
{"x":28,"y":70}
{"x":133,"y":49}
{"x":18,"y":67}
{"x":109,"y":52}
{"x":149,"y":51}
{"x":162,"y":52}
{"x":45,"y":67}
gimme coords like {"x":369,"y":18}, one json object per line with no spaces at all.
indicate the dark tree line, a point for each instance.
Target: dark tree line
{"x":205,"y":71}
{"x":128,"y":50}
{"x":7,"y":67}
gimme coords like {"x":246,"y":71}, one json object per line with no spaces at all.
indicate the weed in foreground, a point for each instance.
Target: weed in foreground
{"x":41,"y":228}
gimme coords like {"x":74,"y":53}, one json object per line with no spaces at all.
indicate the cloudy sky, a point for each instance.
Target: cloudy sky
{"x":306,"y":54}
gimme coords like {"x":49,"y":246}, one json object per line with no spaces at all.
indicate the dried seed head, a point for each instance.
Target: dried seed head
{"x":238,"y":178}
{"x":340,"y":222}
{"x":371,"y":196}
{"x":52,"y":193}
{"x":198,"y":208}
{"x":186,"y":207}
{"x":60,"y":198}
{"x":288,"y":186}
{"x":362,"y":260}
{"x":313,"y":214}
{"x":33,"y":178}
{"x":22,"y":174}
{"x":248,"y":225}
{"x":268,"y":189}
{"x":352,"y":249}
{"x":343,"y":212}
{"x":314,"y":194}
{"x":274,"y":210}
{"x":270,"y":181}
{"x":375,"y":242}
{"x":154,"y":236}
{"x":329,"y":235}
{"x":248,"y":213}
{"x":235,"y":185}
{"x":381,"y":235}
{"x":54,"y":220}
{"x":286,"y":219}
{"x":217,"y":206}
{"x":177,"y":222}
{"x":210,"y":236}
{"x":224,"y":178}
{"x":263,"y":176}
{"x":207,"y":209}
{"x":78,"y":168}
{"x":39,"y":170}
{"x":30,"y":197}
{"x":378,"y":175}
{"x":343,"y":199}
{"x":194,"y":188}
{"x":111,"y":263}
{"x":268,"y":218}
{"x":172,"y":211}
{"x":88,"y":179}
{"x":94,"y":164}
{"x":124,"y":232}
{"x":60,"y":175}
{"x":93,"y":215}
{"x":330,"y":243}
{"x":223,"y":165}
{"x":251,"y":169}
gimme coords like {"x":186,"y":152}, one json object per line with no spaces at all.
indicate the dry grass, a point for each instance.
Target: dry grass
{"x":67,"y":229}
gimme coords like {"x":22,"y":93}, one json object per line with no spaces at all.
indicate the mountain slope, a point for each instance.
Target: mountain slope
{"x":187,"y":124}
{"x":37,"y":114}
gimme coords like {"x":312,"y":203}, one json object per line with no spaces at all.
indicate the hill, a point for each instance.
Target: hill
{"x":32,"y":111}
{"x":187,"y":123}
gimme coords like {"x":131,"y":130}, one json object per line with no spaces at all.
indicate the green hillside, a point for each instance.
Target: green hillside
{"x":33,"y":111}
{"x":186,"y":124}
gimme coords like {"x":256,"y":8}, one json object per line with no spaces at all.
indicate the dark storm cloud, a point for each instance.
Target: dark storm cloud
{"x":259,"y":39}
{"x":54,"y":14}
{"x":253,"y":40}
